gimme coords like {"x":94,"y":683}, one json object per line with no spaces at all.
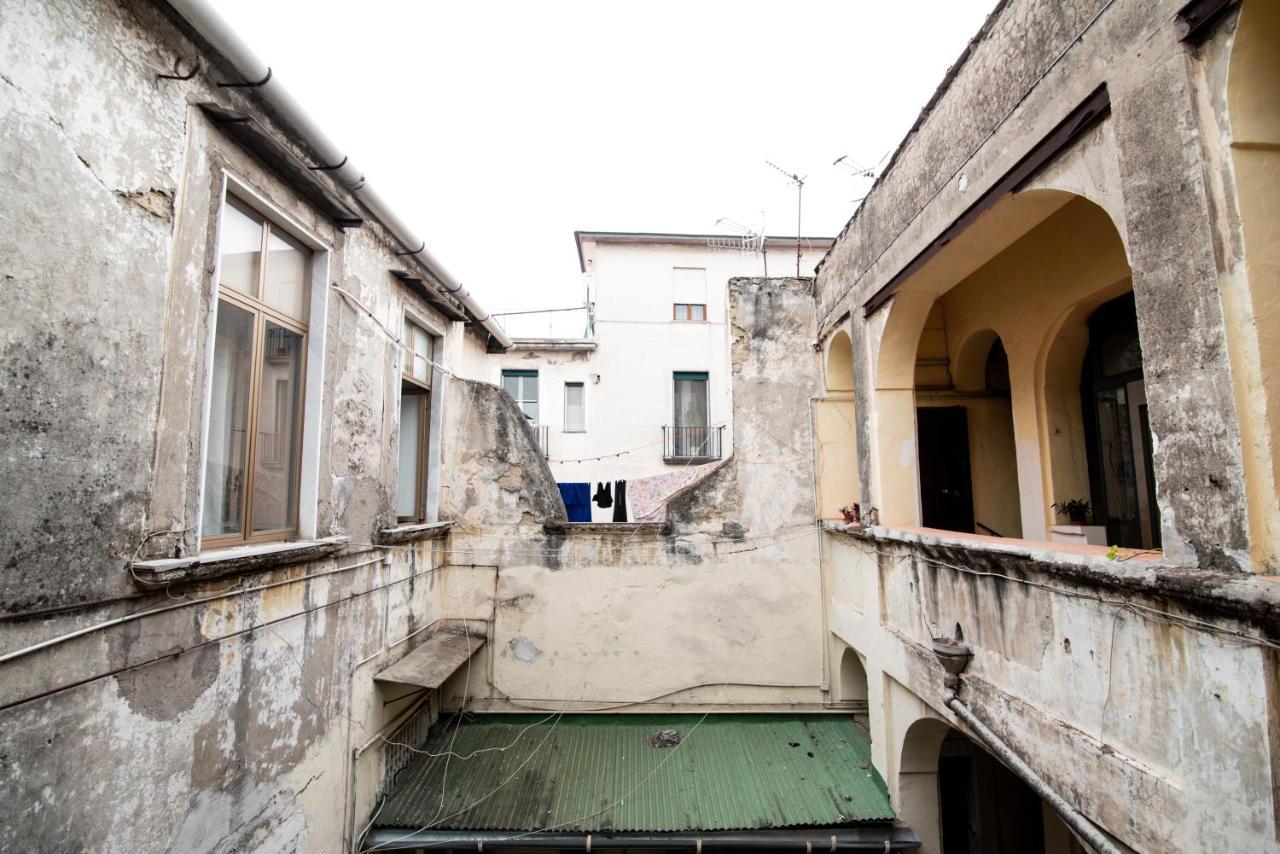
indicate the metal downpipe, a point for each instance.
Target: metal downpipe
{"x":1074,"y":819}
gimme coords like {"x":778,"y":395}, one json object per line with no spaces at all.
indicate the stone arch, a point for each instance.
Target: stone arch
{"x":839,"y":368}
{"x":853,"y":677}
{"x":1012,"y":276}
{"x":919,"y":804}
{"x":836,"y":433}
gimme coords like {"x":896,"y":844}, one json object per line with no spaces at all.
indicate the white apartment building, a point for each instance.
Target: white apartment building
{"x":637,"y":382}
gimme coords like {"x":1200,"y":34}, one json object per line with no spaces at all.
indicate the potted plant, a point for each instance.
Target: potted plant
{"x":1075,"y":509}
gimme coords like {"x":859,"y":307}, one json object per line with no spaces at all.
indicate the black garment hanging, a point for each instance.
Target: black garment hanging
{"x":620,"y":501}
{"x":603,"y":498}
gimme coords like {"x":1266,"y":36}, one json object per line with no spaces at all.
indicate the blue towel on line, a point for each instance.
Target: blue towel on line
{"x":577,"y":500}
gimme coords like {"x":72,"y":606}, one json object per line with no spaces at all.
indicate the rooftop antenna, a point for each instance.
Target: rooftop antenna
{"x":799,"y":182}
{"x":853,"y":168}
{"x":749,"y":240}
{"x":856,"y":170}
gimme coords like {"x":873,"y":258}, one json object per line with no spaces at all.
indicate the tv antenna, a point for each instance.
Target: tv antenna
{"x":799,"y":182}
{"x":749,"y":241}
{"x":856,"y":170}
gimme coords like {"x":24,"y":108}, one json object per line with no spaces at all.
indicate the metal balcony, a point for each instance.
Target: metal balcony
{"x":687,"y":445}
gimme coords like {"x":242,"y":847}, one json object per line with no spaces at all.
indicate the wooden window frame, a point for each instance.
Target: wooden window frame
{"x":688,"y":308}
{"x":423,"y":391}
{"x":262,"y":313}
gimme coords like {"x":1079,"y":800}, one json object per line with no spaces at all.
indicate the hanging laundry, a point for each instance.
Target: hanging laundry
{"x":603,"y":497}
{"x":620,"y":501}
{"x":577,"y":500}
{"x":648,"y":496}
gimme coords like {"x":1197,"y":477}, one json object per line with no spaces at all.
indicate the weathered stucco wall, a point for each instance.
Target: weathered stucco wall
{"x":1115,"y":705}
{"x":224,"y":720}
{"x":720,"y":604}
{"x":1151,"y":164}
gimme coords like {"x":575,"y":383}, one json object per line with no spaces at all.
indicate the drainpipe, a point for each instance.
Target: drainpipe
{"x":201,"y":16}
{"x":954,"y":656}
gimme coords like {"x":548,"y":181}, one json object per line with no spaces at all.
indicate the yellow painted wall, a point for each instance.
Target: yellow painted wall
{"x":991,"y":459}
{"x":1043,"y":285}
{"x":1252,"y":301}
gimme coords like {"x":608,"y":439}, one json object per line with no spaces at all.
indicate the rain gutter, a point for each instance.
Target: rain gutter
{"x":881,"y":838}
{"x":257,"y":75}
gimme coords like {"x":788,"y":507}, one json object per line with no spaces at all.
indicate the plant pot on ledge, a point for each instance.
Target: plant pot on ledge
{"x":1075,"y":509}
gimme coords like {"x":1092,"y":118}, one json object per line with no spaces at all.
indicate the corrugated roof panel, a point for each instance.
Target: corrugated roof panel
{"x":596,"y":773}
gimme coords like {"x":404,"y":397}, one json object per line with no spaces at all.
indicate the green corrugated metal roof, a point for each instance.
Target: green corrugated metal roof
{"x":594,"y":773}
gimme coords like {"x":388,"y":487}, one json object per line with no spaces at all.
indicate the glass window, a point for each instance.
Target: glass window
{"x":415,"y":405}
{"x":275,"y":472}
{"x":690,"y":436}
{"x":523,"y":388}
{"x":418,"y":354}
{"x":285,"y":283}
{"x":226,"y":469}
{"x":411,"y":471}
{"x":240,"y":240}
{"x":256,"y":388}
{"x":689,"y":311}
{"x":575,"y":415}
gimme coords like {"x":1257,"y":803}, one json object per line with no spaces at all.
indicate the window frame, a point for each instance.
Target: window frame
{"x":310,"y":369}
{"x":582,"y":403}
{"x":523,"y":374}
{"x":688,"y":308}
{"x":425,"y":392}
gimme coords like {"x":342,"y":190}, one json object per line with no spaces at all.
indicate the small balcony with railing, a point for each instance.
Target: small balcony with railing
{"x":684,"y":445}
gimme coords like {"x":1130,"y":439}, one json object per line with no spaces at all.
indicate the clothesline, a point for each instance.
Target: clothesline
{"x":627,"y":451}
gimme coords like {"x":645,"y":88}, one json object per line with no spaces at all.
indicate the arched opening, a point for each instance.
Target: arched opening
{"x":979,"y":417}
{"x":853,"y":678}
{"x":961,"y":800}
{"x":1249,"y":300}
{"x":836,"y":454}
{"x":964,"y":423}
{"x":839,"y":374}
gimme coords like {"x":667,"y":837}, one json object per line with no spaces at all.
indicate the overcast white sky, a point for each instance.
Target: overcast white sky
{"x":497,"y":129}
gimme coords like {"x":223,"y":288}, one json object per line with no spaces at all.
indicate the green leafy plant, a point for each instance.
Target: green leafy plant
{"x":1075,"y":509}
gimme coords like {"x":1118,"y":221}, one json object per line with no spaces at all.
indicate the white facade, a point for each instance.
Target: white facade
{"x":628,"y":368}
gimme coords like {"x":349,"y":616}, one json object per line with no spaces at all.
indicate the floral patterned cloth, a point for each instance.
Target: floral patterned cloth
{"x":648,"y":496}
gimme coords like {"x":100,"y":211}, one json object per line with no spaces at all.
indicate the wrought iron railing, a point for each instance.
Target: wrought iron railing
{"x":692,"y":443}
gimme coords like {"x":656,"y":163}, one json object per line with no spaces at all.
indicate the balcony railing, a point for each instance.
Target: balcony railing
{"x":543,"y":432}
{"x":686,"y":444}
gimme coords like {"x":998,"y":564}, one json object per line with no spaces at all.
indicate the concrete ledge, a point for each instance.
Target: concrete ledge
{"x":402,"y":534}
{"x":1236,"y":595}
{"x":543,"y":344}
{"x":571,"y":528}
{"x":689,"y":461}
{"x":233,"y":561}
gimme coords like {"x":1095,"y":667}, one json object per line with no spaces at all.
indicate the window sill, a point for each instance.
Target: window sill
{"x":236,"y":560}
{"x":573,"y":431}
{"x":413,"y":533}
{"x":690,"y":461}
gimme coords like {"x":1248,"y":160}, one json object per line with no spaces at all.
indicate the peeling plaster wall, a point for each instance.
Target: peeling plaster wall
{"x":1162,"y":734}
{"x":1150,"y":165}
{"x":720,"y":604}
{"x":224,"y":725}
